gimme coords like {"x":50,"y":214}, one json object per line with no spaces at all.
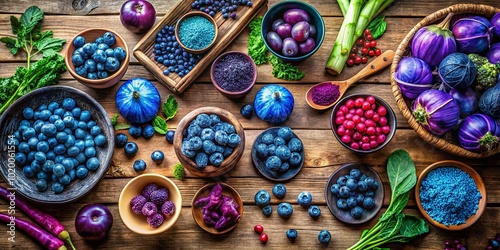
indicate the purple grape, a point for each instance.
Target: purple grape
{"x":290,"y":47}
{"x":307,"y":46}
{"x":274,"y":41}
{"x":277,"y":23}
{"x":293,"y":16}
{"x":284,"y":30}
{"x":300,"y":31}
{"x":312,"y":30}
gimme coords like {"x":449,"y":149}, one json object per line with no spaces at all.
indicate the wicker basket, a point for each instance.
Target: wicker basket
{"x":448,"y":143}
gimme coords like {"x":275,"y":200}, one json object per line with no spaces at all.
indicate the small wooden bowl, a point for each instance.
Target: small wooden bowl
{"x":205,"y":191}
{"x":190,"y":14}
{"x":479,"y":183}
{"x":210,"y":170}
{"x":229,"y":94}
{"x":9,"y":122}
{"x":90,"y":35}
{"x":137,"y":222}
{"x":331,"y":199}
{"x":260,"y":164}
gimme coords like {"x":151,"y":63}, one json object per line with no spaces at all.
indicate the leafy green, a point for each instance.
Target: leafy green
{"x":179,"y":171}
{"x":377,"y":27}
{"x":160,"y":125}
{"x":122,"y":126}
{"x":170,"y":107}
{"x":285,"y":71}
{"x":114,"y":119}
{"x":256,"y":46}
{"x":47,"y":71}
{"x":393,"y":225}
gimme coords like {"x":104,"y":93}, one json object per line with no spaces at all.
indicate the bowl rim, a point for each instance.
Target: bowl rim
{"x":196,"y":13}
{"x":106,"y":124}
{"x":123,"y":66}
{"x":392,"y":122}
{"x":224,"y":186}
{"x":173,"y":219}
{"x":478,"y":181}
{"x":230,"y":93}
{"x":319,"y":40}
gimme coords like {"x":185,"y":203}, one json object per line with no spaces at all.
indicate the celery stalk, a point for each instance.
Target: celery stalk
{"x":370,"y":10}
{"x":343,"y":5}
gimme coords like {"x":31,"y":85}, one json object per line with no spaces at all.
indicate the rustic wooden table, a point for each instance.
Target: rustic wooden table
{"x":323,"y":154}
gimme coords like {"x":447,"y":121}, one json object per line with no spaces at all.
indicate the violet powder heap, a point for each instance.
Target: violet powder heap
{"x":233,"y":73}
{"x":325,"y":94}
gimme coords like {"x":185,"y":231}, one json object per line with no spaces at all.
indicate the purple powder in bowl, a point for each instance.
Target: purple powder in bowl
{"x":233,"y":72}
{"x":325,"y":94}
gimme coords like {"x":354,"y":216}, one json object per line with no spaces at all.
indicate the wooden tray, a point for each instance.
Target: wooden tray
{"x":229,"y":29}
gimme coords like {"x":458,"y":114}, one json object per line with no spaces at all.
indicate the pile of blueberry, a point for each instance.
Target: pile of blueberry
{"x":208,"y":140}
{"x":97,"y":59}
{"x":154,"y":204}
{"x":226,"y":7}
{"x":280,"y":151}
{"x":168,"y":52}
{"x":355,"y":192}
{"x":57,"y":143}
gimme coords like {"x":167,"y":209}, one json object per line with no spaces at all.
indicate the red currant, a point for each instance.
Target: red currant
{"x":382,"y":111}
{"x":357,"y":60}
{"x":371,"y":53}
{"x":373,"y":44}
{"x":258,"y":229}
{"x":369,"y":37}
{"x":378,"y":52}
{"x":360,"y":42}
{"x":352,"y":55}
{"x":263,"y":238}
{"x":364,"y":51}
{"x":364,"y":59}
{"x":346,"y":139}
{"x":354,"y":49}
{"x":350,"y":62}
{"x":359,"y":102}
{"x":360,"y":127}
{"x":349,"y":104}
{"x":367,"y":32}
{"x":354,"y":145}
{"x":366,"y":105}
{"x":370,"y":99}
{"x":367,"y":45}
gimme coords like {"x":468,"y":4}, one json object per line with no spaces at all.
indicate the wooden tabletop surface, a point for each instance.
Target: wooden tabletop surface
{"x":323,"y":153}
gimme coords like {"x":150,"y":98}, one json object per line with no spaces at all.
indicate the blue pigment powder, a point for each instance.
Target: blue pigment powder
{"x":449,"y":195}
{"x":196,"y":32}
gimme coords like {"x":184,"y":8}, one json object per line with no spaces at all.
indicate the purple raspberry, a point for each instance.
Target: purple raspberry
{"x":155,"y":220}
{"x":159,"y":196}
{"x":137,"y":203}
{"x":168,"y":208}
{"x":149,"y":209}
{"x":148,"y":189}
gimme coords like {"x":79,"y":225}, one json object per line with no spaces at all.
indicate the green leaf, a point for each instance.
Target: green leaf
{"x":401,"y":172}
{"x":285,"y":71}
{"x":114,"y":119}
{"x":377,"y":27}
{"x":14,"y":24}
{"x":9,"y":41}
{"x":160,"y":125}
{"x":49,"y":45}
{"x":256,"y":47}
{"x":396,"y":206}
{"x":412,"y":226}
{"x":170,"y":107}
{"x":30,"y":19}
{"x":122,"y":126}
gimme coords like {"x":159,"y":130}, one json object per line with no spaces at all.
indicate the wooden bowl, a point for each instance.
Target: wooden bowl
{"x":9,"y":122}
{"x":331,"y":199}
{"x":210,"y":170}
{"x":90,"y":35}
{"x":198,"y":214}
{"x":230,"y":94}
{"x":191,"y":14}
{"x":448,"y":142}
{"x":137,"y":222}
{"x":260,"y":164}
{"x":479,"y":183}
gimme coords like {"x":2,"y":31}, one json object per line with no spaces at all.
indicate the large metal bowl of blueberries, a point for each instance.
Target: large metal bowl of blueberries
{"x":58,"y":143}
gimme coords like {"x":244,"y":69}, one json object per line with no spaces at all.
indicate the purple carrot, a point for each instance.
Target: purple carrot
{"x":45,"y":238}
{"x":43,"y":219}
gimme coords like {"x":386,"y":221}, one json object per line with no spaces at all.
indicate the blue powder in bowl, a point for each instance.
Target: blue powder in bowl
{"x":196,"y":32}
{"x":449,"y":195}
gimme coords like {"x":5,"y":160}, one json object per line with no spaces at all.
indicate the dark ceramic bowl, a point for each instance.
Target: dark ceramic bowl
{"x":260,"y":163}
{"x":331,"y":199}
{"x":391,"y":121}
{"x":230,"y":94}
{"x":276,"y":11}
{"x":9,"y":122}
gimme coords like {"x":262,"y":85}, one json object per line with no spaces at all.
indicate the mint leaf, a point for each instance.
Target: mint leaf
{"x":49,"y":45}
{"x":160,"y":125}
{"x":15,"y":24}
{"x":30,"y":19}
{"x":122,"y":126}
{"x":377,"y":27}
{"x":170,"y":107}
{"x":114,"y":119}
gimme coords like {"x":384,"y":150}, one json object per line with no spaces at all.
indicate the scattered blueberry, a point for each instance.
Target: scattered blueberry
{"x":247,"y":111}
{"x":131,"y":149}
{"x":262,"y":198}
{"x":291,"y":234}
{"x":314,"y":211}
{"x":170,"y":136}
{"x":148,"y":131}
{"x":304,"y":199}
{"x":120,"y":140}
{"x":324,"y":237}
{"x":267,"y":210}
{"x":135,"y":131}
{"x":285,"y":210}
{"x":157,"y":156}
{"x":279,"y":191}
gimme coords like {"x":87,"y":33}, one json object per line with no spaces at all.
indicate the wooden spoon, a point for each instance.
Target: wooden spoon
{"x":382,"y":61}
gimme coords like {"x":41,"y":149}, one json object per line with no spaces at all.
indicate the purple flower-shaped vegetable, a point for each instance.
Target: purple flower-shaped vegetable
{"x":479,"y":132}
{"x":159,"y":196}
{"x":168,"y":208}
{"x":149,"y":209}
{"x":472,"y":34}
{"x":436,"y":111}
{"x":137,"y":203}
{"x":148,"y":189}
{"x":155,"y":220}
{"x":413,"y":76}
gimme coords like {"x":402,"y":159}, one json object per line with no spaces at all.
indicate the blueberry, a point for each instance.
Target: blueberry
{"x":92,"y":164}
{"x":90,"y":66}
{"x":58,"y":170}
{"x":100,"y":140}
{"x":227,"y":151}
{"x":369,"y":193}
{"x":65,"y":179}
{"x":216,"y":159}
{"x":247,"y":111}
{"x":99,"y":40}
{"x":90,"y":152}
{"x":221,"y":137}
{"x":262,"y":198}
{"x":362,"y":185}
{"x":285,"y":166}
{"x":135,"y":131}
{"x":335,"y":189}
{"x":356,"y":212}
{"x":79,"y":41}
{"x":195,"y":143}
{"x":278,"y":141}
{"x":119,"y":53}
{"x":207,"y":134}
{"x":261,"y":150}
{"x":139,"y":166}
{"x":267,"y":138}
{"x":304,"y":199}
{"x":279,"y":191}
{"x":108,"y":38}
{"x":81,"y":172}
{"x":89,"y":48}
{"x":355,"y":173}
{"x":201,"y":160}
{"x":68,"y":164}
{"x":285,"y":133}
{"x":28,"y":113}
{"x":85,"y":116}
{"x":359,"y":198}
{"x":82,"y":53}
{"x":368,"y":203}
{"x":284,"y":210}
{"x":283,"y":152}
{"x":369,"y":181}
{"x":120,"y":140}
{"x":374,"y":185}
{"x":208,"y":147}
{"x":291,"y":234}
{"x":295,"y":159}
{"x":344,"y":192}
{"x":186,"y":151}
{"x":324,"y":237}
{"x":101,"y":46}
{"x":194,"y":130}
{"x":233,"y":140}
{"x":42,"y":146}
{"x":57,"y":187}
{"x":267,"y":210}
{"x":48,"y":166}
{"x":148,"y":131}
{"x":109,"y":52}
{"x":273,"y":163}
{"x":157,"y":156}
{"x":342,"y":180}
{"x":29,"y":133}
{"x":351,"y":184}
{"x":77,"y":60}
{"x":170,"y":136}
{"x":295,"y":144}
{"x":351,"y":201}
{"x":100,"y":67}
{"x":73,"y":151}
{"x":112,"y":64}
{"x":314,"y":211}
{"x":131,"y":149}
{"x":99,"y":56}
{"x":20,"y":158}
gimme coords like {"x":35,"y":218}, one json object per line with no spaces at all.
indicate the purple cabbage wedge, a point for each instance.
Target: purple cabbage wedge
{"x":436,"y":111}
{"x":493,"y":54}
{"x":495,"y":21}
{"x":413,"y":76}
{"x":473,"y":34}
{"x":434,"y":42}
{"x":479,"y":133}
